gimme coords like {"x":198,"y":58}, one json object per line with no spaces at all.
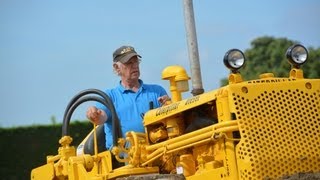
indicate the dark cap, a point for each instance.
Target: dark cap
{"x":124,"y":54}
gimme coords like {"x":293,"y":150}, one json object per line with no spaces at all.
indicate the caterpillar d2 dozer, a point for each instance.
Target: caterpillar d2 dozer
{"x":266,"y":128}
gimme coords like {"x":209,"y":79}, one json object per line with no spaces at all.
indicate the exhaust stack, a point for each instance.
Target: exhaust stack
{"x":197,"y":87}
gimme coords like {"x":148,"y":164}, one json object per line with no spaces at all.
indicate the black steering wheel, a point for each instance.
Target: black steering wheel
{"x":104,"y":99}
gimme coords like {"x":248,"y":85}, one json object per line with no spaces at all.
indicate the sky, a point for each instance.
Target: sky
{"x":52,"y":49}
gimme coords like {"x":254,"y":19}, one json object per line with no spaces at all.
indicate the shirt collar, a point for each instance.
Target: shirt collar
{"x":123,"y":90}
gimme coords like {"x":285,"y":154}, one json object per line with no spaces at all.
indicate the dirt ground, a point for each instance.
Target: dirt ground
{"x":299,"y":176}
{"x":303,"y":176}
{"x":154,"y":177}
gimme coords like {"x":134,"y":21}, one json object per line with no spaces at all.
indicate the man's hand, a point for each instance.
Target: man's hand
{"x":96,"y":116}
{"x":164,"y":99}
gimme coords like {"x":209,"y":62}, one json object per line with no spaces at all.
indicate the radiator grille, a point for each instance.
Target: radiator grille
{"x":280,"y":133}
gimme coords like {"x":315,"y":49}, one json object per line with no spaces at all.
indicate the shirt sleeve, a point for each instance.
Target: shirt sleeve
{"x":162,"y":91}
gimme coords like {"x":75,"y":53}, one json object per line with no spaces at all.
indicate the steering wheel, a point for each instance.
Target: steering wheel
{"x":82,"y":97}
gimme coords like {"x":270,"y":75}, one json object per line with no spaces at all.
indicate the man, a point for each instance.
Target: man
{"x":131,"y":98}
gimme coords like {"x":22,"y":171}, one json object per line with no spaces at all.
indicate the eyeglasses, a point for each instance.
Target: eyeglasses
{"x":133,"y":61}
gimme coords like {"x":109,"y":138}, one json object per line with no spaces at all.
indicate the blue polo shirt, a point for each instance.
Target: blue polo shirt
{"x":130,"y":106}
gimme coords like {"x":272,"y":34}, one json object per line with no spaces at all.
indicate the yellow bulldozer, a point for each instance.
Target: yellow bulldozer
{"x":265,"y":128}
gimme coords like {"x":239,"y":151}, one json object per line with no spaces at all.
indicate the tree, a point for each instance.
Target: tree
{"x":267,"y":54}
{"x":53,"y":120}
{"x":312,"y":68}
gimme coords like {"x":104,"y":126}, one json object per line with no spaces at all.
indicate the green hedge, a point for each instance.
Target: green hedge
{"x":25,"y":148}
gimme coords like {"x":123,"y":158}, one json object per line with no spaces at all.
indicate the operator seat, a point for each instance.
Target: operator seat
{"x":101,"y":141}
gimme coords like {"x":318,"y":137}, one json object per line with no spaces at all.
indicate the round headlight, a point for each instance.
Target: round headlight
{"x":234,"y":59}
{"x":297,"y":55}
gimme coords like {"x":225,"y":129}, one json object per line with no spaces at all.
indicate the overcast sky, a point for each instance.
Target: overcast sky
{"x":52,"y":49}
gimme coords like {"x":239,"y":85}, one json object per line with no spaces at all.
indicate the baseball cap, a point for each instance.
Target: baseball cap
{"x":124,"y":54}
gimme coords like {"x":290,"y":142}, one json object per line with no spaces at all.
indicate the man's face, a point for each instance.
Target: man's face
{"x":130,"y":70}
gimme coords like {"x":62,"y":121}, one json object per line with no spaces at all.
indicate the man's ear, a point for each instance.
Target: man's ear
{"x":116,"y":68}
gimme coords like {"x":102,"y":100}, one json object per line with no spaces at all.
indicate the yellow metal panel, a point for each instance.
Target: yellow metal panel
{"x":43,"y":172}
{"x":155,"y":115}
{"x":129,"y":171}
{"x":279,"y":123}
{"x":213,"y":174}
